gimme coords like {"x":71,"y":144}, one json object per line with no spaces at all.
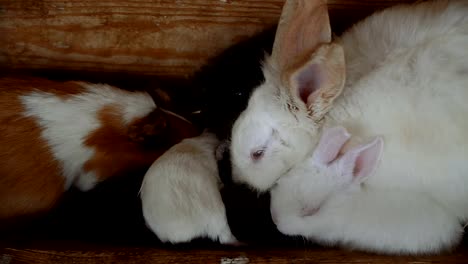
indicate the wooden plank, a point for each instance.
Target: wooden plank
{"x":167,"y":38}
{"x":70,"y":252}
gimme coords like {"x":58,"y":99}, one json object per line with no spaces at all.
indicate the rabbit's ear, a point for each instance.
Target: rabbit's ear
{"x":362,"y":160}
{"x":303,"y":25}
{"x":331,"y":142}
{"x":310,"y":66}
{"x":319,"y":80}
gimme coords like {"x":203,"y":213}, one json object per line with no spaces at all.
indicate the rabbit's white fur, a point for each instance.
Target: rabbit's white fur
{"x":261,"y":127}
{"x":407,"y":81}
{"x":180,"y":194}
{"x":365,"y":218}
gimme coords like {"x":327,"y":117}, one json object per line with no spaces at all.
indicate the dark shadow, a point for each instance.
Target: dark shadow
{"x":111,"y":213}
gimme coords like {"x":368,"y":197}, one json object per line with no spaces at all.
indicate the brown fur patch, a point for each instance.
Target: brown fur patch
{"x":30,"y":178}
{"x":120,"y":148}
{"x":17,"y":86}
{"x":152,"y":126}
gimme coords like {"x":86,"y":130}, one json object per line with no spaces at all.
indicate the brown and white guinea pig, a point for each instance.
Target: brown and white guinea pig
{"x":54,"y":135}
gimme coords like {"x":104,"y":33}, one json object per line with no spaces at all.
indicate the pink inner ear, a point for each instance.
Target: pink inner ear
{"x":308,"y":81}
{"x":368,"y":159}
{"x":330,"y":144}
{"x":363,"y":160}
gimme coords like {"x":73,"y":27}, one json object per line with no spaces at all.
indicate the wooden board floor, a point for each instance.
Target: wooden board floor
{"x":72,"y":252}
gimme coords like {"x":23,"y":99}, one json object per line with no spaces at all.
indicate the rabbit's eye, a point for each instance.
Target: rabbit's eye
{"x":257,"y":154}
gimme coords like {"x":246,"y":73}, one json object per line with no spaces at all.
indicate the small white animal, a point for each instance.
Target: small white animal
{"x":309,"y":186}
{"x":180,"y":194}
{"x":327,"y":199}
{"x":407,"y":82}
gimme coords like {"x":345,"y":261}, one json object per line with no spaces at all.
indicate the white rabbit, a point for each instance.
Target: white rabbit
{"x":180,"y":194}
{"x":321,"y":176}
{"x":323,"y":199}
{"x":277,"y":130}
{"x":400,"y":60}
{"x":407,"y":81}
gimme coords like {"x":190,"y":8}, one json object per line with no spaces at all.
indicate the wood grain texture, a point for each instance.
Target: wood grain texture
{"x":67,"y":252}
{"x":165,"y":37}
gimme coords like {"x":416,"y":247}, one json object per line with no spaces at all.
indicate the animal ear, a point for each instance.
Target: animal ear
{"x":330,"y":144}
{"x":362,"y":160}
{"x":319,"y":80}
{"x":152,"y":126}
{"x":303,"y":25}
{"x":311,"y":67}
